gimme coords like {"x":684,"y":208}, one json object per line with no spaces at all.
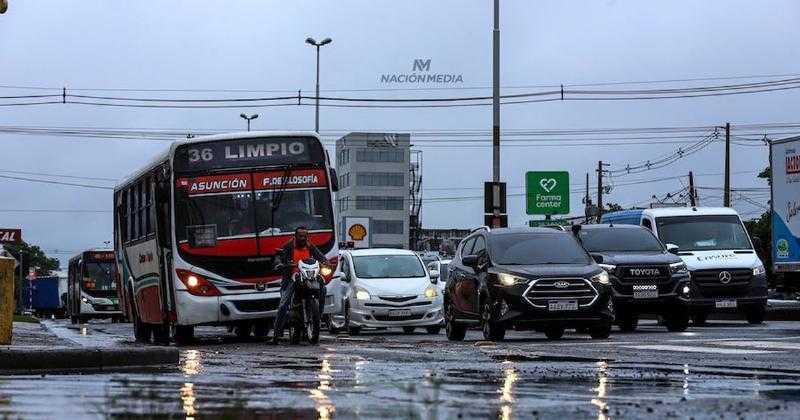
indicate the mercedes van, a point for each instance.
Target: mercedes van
{"x":726,"y":273}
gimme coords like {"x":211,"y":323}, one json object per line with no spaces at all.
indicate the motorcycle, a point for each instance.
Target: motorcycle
{"x":304,"y":316}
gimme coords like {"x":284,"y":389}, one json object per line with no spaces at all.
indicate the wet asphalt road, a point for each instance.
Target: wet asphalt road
{"x":728,"y":369}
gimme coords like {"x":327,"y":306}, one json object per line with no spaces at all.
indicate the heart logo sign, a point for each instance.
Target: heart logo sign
{"x":548,"y":184}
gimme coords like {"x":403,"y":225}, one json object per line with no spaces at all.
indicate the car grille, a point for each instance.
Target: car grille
{"x":403,"y":305}
{"x":257,"y":305}
{"x":542,"y":291}
{"x":411,"y":317}
{"x":709,"y":284}
{"x":398,"y":298}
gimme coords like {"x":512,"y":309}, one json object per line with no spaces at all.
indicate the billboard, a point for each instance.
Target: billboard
{"x":547,"y":192}
{"x":357,"y":230}
{"x":10,"y":236}
{"x":785,"y":164}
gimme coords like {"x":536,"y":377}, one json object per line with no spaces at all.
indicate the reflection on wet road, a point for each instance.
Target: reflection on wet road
{"x":428,"y":377}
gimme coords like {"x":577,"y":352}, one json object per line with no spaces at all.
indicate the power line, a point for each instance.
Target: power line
{"x":44,"y":181}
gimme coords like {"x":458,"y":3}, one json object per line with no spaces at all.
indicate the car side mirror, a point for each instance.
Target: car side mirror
{"x":597,"y":258}
{"x":434,"y":275}
{"x":470,"y":260}
{"x":673,"y":249}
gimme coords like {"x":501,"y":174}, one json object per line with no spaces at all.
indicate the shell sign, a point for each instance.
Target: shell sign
{"x":357,"y":231}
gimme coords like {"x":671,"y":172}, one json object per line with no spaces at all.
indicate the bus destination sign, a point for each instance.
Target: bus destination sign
{"x":247,"y":152}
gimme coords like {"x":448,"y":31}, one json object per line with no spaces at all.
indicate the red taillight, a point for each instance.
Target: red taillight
{"x":197,"y":284}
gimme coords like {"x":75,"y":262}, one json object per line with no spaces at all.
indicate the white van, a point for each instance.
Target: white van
{"x":727,"y":274}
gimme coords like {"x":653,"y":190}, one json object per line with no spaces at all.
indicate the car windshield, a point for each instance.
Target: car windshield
{"x":388,"y":266}
{"x":619,"y":240}
{"x":99,"y":276}
{"x":537,"y":248}
{"x":703,"y":233}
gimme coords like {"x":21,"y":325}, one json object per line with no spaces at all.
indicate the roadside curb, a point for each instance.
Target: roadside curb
{"x":39,"y":359}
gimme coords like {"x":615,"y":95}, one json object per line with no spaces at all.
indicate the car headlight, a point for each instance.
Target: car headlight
{"x":601,"y":278}
{"x":759,"y":270}
{"x":431,"y":292}
{"x":85,"y":300}
{"x":510,"y":280}
{"x":608,"y":267}
{"x":678,"y":268}
{"x":362,"y":294}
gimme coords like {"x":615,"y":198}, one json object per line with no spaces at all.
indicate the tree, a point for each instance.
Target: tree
{"x":613,"y":207}
{"x":32,"y":256}
{"x":766,"y":174}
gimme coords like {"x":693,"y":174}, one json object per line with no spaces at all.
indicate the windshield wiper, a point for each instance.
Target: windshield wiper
{"x":278,"y":197}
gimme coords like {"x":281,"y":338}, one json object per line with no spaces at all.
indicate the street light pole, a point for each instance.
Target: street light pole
{"x":248,"y":118}
{"x":312,"y":42}
{"x":496,"y":94}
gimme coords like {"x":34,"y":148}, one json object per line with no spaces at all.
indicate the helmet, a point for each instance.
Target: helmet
{"x":309,"y":268}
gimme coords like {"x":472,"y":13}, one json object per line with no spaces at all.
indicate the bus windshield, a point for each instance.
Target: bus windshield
{"x":99,"y":276}
{"x":703,"y":233}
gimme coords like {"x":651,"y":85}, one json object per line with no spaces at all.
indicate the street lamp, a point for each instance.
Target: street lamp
{"x":311,"y":41}
{"x":248,"y":118}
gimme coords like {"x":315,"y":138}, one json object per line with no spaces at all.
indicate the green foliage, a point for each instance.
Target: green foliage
{"x":766,"y":174}
{"x":613,"y":207}
{"x":33,"y":256}
{"x":760,"y":230}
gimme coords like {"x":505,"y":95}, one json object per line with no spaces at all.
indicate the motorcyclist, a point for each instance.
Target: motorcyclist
{"x":297,"y":249}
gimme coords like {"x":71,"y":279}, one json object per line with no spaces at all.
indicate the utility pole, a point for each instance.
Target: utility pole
{"x":588,"y":205}
{"x":692,"y":197}
{"x":599,"y":190}
{"x":726,"y":198}
{"x":496,"y":94}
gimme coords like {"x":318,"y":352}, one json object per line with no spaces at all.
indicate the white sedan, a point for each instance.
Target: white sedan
{"x":383,"y":288}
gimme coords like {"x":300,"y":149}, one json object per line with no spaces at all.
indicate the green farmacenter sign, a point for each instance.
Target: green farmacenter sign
{"x":547,"y":192}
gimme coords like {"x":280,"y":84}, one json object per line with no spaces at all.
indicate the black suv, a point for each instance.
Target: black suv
{"x":526,"y":278}
{"x":645,"y":277}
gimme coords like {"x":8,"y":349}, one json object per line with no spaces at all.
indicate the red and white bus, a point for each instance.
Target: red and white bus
{"x":196,"y":231}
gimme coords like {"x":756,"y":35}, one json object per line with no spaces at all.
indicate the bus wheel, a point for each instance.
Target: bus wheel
{"x":183,"y":334}
{"x":161,"y":334}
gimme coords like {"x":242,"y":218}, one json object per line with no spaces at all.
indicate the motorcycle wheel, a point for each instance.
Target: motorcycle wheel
{"x":312,"y":321}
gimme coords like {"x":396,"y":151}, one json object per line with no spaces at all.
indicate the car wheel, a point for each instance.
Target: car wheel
{"x":676,"y":322}
{"x":433,"y":330}
{"x":183,"y":334}
{"x":408,"y":330}
{"x":454,"y":330}
{"x":699,"y":319}
{"x":554,"y":332}
{"x":351,"y":330}
{"x":627,"y":321}
{"x":756,"y":315}
{"x":492,"y":331}
{"x":600,"y":331}
{"x":243,"y":329}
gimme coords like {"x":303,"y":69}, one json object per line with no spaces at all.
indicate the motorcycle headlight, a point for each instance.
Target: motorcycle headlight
{"x":325,"y":271}
{"x":362,"y":294}
{"x":678,"y":268}
{"x":759,"y":270}
{"x":510,"y":280}
{"x":608,"y":267}
{"x":601,"y":278}
{"x":431,"y":292}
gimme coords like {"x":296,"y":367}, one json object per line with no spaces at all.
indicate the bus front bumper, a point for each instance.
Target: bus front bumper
{"x":225,"y":309}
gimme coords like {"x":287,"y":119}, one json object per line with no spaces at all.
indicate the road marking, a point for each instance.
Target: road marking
{"x":690,"y":349}
{"x":776,"y":345}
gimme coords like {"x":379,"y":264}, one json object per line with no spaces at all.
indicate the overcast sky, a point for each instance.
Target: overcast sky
{"x":259,"y":45}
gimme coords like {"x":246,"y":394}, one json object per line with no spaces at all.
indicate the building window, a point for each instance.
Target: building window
{"x":394,"y":227}
{"x":378,"y":155}
{"x":380,"y":179}
{"x":344,"y":204}
{"x":374,"y":202}
{"x":343,"y":157}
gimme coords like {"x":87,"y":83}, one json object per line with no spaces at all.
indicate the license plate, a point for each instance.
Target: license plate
{"x":397,"y":313}
{"x":729,"y":303}
{"x":562,"y":305}
{"x":645,"y":291}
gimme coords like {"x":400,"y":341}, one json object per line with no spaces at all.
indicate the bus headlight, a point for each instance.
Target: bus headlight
{"x":759,"y":270}
{"x":362,"y":294}
{"x":601,"y":277}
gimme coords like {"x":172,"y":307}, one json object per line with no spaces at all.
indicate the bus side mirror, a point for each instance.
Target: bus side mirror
{"x":334,"y":180}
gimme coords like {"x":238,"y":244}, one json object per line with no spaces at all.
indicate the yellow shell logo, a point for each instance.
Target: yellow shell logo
{"x":357,"y":232}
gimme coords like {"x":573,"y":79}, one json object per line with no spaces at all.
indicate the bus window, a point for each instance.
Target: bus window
{"x":309,"y":208}
{"x":231,"y":214}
